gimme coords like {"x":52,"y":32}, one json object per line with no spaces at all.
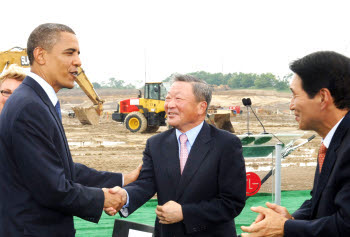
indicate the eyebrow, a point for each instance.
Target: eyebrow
{"x":71,"y":50}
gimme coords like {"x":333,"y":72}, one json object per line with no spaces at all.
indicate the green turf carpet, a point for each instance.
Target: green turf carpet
{"x":146,"y":215}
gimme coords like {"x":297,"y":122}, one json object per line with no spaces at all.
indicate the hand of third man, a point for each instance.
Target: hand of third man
{"x":279,"y":209}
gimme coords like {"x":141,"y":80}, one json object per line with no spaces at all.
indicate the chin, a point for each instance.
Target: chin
{"x":172,"y":123}
{"x":69,"y":86}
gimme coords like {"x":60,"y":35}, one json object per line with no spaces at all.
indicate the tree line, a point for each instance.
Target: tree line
{"x":113,"y":83}
{"x":243,"y":80}
{"x":233,"y":80}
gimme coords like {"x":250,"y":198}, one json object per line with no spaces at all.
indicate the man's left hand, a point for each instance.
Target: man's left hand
{"x":271,"y":226}
{"x":169,"y":213}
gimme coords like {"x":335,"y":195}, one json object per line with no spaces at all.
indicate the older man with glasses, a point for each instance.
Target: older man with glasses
{"x":9,"y":81}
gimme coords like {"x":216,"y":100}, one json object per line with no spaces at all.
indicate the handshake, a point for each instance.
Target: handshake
{"x":115,"y":199}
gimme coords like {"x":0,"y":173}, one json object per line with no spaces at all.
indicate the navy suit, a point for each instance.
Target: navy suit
{"x":211,"y":189}
{"x":327,"y":213}
{"x":41,"y":187}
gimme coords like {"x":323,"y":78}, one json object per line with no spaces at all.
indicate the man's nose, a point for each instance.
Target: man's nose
{"x":77,"y":61}
{"x":170,"y":103}
{"x":291,"y":105}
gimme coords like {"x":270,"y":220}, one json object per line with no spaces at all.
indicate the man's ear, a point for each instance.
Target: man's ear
{"x":326,"y":98}
{"x":39,"y":55}
{"x":202,"y":107}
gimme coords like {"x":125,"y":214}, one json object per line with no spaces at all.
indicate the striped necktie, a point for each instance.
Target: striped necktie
{"x":183,"y":151}
{"x":321,"y":155}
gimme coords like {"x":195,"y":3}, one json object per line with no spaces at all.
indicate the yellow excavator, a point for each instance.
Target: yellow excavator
{"x":18,"y":55}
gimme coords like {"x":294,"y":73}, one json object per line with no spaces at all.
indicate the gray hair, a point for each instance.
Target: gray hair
{"x":201,"y":89}
{"x":45,"y":36}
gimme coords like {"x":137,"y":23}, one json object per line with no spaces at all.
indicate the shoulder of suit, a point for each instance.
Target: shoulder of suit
{"x":220,"y":132}
{"x":162,"y":135}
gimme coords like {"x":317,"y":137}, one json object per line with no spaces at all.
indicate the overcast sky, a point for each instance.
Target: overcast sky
{"x":131,"y":40}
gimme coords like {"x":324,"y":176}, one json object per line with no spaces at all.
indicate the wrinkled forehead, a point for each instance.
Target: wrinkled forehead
{"x":180,"y":87}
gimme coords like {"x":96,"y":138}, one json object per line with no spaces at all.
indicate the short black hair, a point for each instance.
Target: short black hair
{"x":45,"y":36}
{"x":325,"y":69}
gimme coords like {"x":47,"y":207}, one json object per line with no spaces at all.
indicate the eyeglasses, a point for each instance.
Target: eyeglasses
{"x":6,"y":93}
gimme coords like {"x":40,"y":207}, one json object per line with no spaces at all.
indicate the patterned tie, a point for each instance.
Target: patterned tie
{"x":183,"y":151}
{"x":58,"y":110}
{"x":321,"y":155}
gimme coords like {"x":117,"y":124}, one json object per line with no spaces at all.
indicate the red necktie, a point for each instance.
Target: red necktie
{"x":321,"y":155}
{"x":183,"y":151}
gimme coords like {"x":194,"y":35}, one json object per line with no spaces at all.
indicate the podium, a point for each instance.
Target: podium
{"x":131,"y":229}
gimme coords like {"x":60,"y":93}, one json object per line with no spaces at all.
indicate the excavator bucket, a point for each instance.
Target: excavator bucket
{"x":87,"y":116}
{"x":221,"y":121}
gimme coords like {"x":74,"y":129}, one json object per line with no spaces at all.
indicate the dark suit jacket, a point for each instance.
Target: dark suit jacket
{"x":41,"y":187}
{"x":211,"y":190}
{"x":327,"y":213}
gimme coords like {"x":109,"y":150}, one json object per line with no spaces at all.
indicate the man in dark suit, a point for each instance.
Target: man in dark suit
{"x":41,"y":187}
{"x":321,"y":102}
{"x":197,"y":170}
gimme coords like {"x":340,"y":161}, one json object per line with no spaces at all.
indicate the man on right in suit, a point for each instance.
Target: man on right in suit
{"x":196,"y":169}
{"x":321,"y":102}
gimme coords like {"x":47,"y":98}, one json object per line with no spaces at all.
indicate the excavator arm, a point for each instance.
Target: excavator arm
{"x":91,"y":115}
{"x":85,"y":84}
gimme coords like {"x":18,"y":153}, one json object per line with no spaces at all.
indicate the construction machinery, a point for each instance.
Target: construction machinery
{"x":91,"y":115}
{"x":18,"y":55}
{"x":147,"y":114}
{"x":143,"y":114}
{"x":15,"y":55}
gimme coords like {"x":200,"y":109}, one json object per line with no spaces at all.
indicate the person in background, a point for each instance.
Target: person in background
{"x":321,"y":102}
{"x":11,"y":78}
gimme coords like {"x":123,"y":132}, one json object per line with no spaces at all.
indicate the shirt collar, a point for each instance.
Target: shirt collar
{"x":191,"y":134}
{"x":327,"y":140}
{"x":46,"y":87}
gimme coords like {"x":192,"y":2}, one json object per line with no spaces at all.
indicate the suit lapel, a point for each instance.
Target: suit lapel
{"x":43,"y":96}
{"x":171,"y":151}
{"x":330,"y":159}
{"x":197,"y":155}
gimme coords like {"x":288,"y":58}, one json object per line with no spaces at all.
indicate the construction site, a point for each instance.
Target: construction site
{"x":107,"y":130}
{"x":109,"y":146}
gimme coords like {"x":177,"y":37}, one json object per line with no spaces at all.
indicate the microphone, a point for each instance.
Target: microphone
{"x":264,"y":138}
{"x":247,"y":140}
{"x":290,"y":149}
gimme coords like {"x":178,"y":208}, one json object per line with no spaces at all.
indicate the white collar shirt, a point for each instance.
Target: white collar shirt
{"x":327,"y":140}
{"x":46,"y":87}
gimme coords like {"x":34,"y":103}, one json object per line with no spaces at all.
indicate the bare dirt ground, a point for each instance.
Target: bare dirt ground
{"x":110,"y":147}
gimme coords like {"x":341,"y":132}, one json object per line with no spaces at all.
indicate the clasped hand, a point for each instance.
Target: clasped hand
{"x":269,"y":222}
{"x":115,"y":199}
{"x":169,"y":213}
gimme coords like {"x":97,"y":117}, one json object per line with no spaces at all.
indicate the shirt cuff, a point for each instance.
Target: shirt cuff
{"x":127,"y":200}
{"x":125,"y":211}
